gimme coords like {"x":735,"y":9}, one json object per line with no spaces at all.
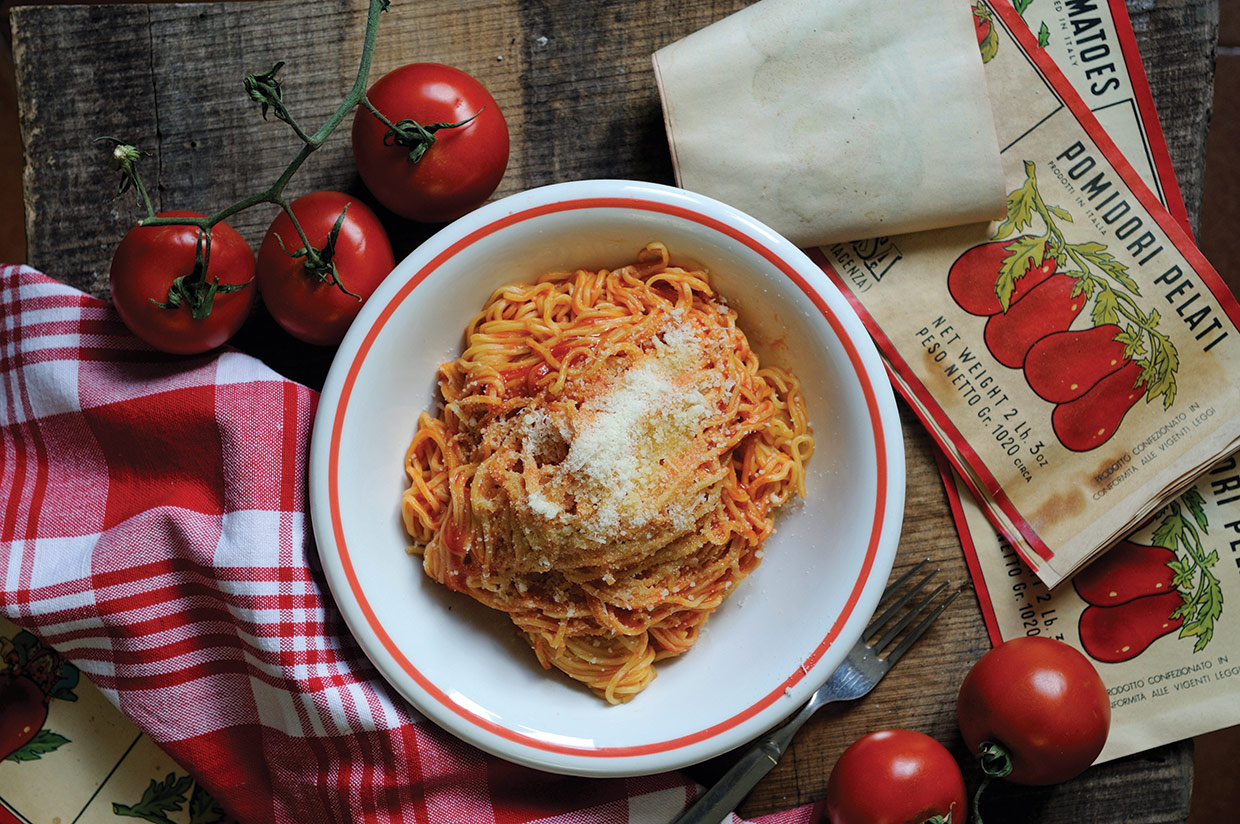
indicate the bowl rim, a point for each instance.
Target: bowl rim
{"x":333,"y":544}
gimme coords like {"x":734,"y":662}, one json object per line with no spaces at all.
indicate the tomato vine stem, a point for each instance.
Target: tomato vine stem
{"x":322,"y":267}
{"x":265,"y":89}
{"x":410,"y":133}
{"x":995,"y":762}
{"x":1199,"y":588}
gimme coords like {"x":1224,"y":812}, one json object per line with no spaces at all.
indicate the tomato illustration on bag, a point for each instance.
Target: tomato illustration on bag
{"x":1138,"y":593}
{"x":1089,"y":421}
{"x":974,"y":279}
{"x":31,"y":675}
{"x":1063,"y":366}
{"x":1034,"y":289}
{"x":1114,"y":634}
{"x":1125,"y":572}
{"x":1049,"y":307}
{"x":987,"y":37}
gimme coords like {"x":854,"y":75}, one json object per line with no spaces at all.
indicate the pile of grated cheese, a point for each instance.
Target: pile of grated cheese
{"x":624,"y":436}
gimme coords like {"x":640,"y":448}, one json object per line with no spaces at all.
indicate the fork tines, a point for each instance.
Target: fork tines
{"x":910,"y":614}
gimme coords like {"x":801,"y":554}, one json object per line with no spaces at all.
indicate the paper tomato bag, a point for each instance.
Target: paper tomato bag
{"x":1093,"y":44}
{"x":1077,"y":359}
{"x":1158,"y":614}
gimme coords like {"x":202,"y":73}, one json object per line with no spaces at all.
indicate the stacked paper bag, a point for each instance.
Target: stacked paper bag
{"x":1156,"y":613}
{"x":1074,"y":356}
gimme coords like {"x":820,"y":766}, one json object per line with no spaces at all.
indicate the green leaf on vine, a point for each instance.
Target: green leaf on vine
{"x":1097,"y":254}
{"x":1196,"y":505}
{"x":1204,"y":609}
{"x":44,"y":741}
{"x":1202,"y":598}
{"x":1021,"y":207}
{"x":1084,"y":287}
{"x":1027,"y":252}
{"x":25,"y":644}
{"x":67,"y":677}
{"x":1021,"y":5}
{"x":1183,"y":575}
{"x":160,"y":798}
{"x":1167,"y":533}
{"x":1044,"y":35}
{"x":1106,"y":310}
{"x":203,"y":809}
{"x":1164,"y":364}
{"x":1133,"y":340}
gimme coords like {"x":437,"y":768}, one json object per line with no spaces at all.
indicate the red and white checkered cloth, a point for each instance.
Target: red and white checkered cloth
{"x":154,"y":531}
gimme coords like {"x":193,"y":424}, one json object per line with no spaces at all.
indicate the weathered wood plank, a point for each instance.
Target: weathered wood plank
{"x":1178,"y":40}
{"x":71,"y":220}
{"x":575,"y":83}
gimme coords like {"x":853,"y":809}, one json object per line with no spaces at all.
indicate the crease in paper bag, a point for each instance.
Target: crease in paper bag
{"x":836,"y":121}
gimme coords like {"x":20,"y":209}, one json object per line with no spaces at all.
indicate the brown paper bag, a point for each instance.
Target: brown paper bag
{"x":835,"y":121}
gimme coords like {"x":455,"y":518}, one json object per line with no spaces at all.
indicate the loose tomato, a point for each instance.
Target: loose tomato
{"x":895,"y":777}
{"x":452,"y":149}
{"x":164,"y":300}
{"x":316,"y":300}
{"x":1037,"y":705}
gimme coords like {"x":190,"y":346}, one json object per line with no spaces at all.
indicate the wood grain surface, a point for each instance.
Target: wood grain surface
{"x":575,"y":82}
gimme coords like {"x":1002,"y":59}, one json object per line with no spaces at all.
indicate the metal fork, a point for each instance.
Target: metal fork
{"x":861,"y":670}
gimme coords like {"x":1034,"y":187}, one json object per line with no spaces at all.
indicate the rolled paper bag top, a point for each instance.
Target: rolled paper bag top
{"x":836,"y":121}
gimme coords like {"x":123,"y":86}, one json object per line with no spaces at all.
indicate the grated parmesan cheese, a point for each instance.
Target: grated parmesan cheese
{"x":544,"y":507}
{"x":645,"y":418}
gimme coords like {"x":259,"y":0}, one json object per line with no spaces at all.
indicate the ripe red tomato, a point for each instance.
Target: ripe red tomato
{"x":311,"y":303}
{"x":463,"y":165}
{"x":150,"y":259}
{"x":895,"y":777}
{"x":1041,"y":703}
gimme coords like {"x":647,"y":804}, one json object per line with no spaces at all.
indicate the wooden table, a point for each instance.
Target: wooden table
{"x":575,"y":83}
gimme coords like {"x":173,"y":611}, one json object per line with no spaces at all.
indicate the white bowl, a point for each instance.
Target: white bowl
{"x":767,"y":648}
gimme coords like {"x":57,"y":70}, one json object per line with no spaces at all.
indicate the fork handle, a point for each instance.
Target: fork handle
{"x":728,"y":792}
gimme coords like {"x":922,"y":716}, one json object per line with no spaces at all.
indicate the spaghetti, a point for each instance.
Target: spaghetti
{"x":605,"y":465}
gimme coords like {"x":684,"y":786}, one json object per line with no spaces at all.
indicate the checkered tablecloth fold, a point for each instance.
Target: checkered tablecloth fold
{"x":154,"y":531}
